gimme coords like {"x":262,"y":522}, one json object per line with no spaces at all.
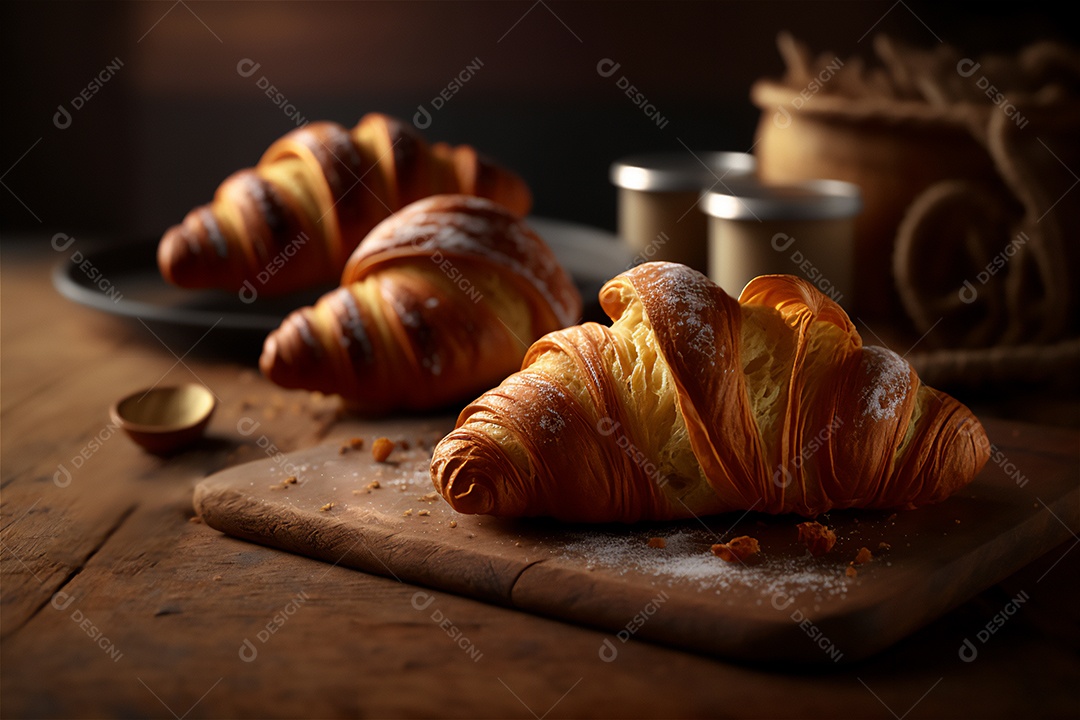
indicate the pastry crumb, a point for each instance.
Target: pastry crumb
{"x":407,"y":513}
{"x":883,"y":546}
{"x":195,"y":519}
{"x":424,"y":513}
{"x":373,"y":485}
{"x":356,"y":443}
{"x":863,"y":556}
{"x":381,"y":449}
{"x":217,"y":578}
{"x":851,"y":571}
{"x":285,"y":483}
{"x":453,"y":523}
{"x":429,"y":497}
{"x":736,"y":550}
{"x":657,"y":542}
{"x":817,"y":538}
{"x":327,"y":507}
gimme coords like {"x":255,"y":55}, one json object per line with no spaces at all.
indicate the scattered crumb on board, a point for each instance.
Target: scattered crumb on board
{"x":737,"y":550}
{"x":687,"y":560}
{"x":381,"y":449}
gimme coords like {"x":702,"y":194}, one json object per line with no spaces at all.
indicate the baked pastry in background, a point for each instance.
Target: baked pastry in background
{"x":292,"y":221}
{"x":438,"y":303}
{"x":693,"y":403}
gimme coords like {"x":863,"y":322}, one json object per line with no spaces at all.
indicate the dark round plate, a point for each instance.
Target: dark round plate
{"x":124,"y":280}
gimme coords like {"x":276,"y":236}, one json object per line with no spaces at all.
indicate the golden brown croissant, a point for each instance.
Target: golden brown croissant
{"x":694,"y":403}
{"x":439,"y":302}
{"x":292,"y":221}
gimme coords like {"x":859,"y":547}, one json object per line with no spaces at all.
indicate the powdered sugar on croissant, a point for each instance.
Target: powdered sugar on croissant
{"x":694,"y":403}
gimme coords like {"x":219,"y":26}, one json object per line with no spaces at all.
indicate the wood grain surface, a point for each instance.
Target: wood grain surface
{"x":336,"y":503}
{"x":113,"y":603}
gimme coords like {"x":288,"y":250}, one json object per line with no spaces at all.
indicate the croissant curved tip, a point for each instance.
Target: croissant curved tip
{"x":286,"y":359}
{"x":268,"y":359}
{"x":972,"y":444}
{"x":471,"y":477}
{"x":195,"y":254}
{"x":179,"y":259}
{"x":476,"y":499}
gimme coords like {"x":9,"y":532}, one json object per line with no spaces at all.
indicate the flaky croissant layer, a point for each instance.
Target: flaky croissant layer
{"x":292,"y":221}
{"x":440,"y":301}
{"x":694,"y":403}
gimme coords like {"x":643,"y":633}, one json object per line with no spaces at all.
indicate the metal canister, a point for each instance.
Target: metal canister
{"x":659,"y":217}
{"x":802,"y":229}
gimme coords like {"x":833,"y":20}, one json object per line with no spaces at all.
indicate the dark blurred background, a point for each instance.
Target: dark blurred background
{"x":175,"y":116}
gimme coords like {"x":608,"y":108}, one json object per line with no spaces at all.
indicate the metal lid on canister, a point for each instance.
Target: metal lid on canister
{"x":675,"y":171}
{"x":747,"y":199}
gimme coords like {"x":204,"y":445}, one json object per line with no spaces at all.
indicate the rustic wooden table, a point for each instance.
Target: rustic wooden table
{"x":116,"y":603}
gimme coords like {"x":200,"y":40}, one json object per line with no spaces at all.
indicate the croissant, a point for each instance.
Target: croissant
{"x":438,"y":303}
{"x":693,"y":403}
{"x":292,"y":221}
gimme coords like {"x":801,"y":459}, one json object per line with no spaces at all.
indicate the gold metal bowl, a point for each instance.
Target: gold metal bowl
{"x":166,"y":419}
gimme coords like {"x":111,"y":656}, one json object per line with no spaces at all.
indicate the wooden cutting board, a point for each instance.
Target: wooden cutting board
{"x":783,"y":605}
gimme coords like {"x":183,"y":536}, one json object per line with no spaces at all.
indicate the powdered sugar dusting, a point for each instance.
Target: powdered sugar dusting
{"x":552,"y":421}
{"x":687,"y":560}
{"x":477,"y":228}
{"x":685,"y":290}
{"x":888,"y":384}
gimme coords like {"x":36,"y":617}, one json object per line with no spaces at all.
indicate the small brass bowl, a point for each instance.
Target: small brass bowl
{"x":166,"y":419}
